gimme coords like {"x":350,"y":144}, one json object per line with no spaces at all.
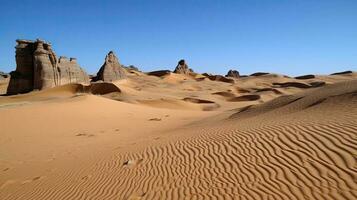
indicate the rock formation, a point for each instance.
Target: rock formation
{"x":182,"y":68}
{"x":342,"y":73}
{"x":292,"y":84}
{"x":37,"y":68}
{"x":111,"y":70}
{"x":159,"y":73}
{"x":233,"y":74}
{"x":218,"y":78}
{"x":70,"y":71}
{"x":259,"y":74}
{"x":4,"y":81}
{"x":309,"y":76}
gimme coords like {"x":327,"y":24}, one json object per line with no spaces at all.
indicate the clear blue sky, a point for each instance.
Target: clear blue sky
{"x":285,"y":36}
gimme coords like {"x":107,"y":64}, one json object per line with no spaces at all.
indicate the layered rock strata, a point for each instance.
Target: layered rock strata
{"x":37,"y":68}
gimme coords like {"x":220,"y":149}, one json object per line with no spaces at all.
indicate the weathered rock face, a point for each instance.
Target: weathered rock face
{"x":22,"y":79}
{"x":45,"y":67}
{"x":233,"y":74}
{"x":71,"y":72}
{"x":37,"y":67}
{"x":182,"y":68}
{"x":111,"y":70}
{"x":4,"y":82}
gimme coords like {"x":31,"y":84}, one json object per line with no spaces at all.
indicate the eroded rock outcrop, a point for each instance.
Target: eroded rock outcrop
{"x":182,"y":68}
{"x":37,"y":68}
{"x":70,"y":71}
{"x":233,"y":74}
{"x":111,"y":70}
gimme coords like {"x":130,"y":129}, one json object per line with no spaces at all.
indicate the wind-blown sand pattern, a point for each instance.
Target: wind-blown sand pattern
{"x":173,"y":137}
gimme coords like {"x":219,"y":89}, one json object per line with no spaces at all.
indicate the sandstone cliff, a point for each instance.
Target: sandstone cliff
{"x":37,"y":68}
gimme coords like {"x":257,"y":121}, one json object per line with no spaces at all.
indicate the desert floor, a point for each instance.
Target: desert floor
{"x":179,"y":137}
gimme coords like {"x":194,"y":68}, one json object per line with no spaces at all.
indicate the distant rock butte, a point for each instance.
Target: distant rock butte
{"x":37,"y":68}
{"x":233,"y":74}
{"x":182,"y":68}
{"x":111,"y":70}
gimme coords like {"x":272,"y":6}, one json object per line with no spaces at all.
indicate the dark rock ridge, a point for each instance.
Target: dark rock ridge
{"x":199,"y":101}
{"x":111,"y":70}
{"x":159,"y":73}
{"x":251,"y":97}
{"x":182,"y":68}
{"x":37,"y":68}
{"x":233,"y":74}
{"x":342,"y":73}
{"x":292,"y":84}
{"x":218,"y":78}
{"x":259,"y":74}
{"x":309,"y":76}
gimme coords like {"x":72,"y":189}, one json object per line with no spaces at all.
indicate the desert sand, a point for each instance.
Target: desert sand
{"x":182,"y":137}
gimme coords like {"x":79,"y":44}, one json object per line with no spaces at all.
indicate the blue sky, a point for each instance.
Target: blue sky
{"x":291,"y":37}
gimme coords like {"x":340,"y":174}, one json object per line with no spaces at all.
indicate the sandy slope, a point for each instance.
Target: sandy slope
{"x":179,"y":138}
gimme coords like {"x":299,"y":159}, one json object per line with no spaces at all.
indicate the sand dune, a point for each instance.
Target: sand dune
{"x":58,"y":93}
{"x":173,"y":137}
